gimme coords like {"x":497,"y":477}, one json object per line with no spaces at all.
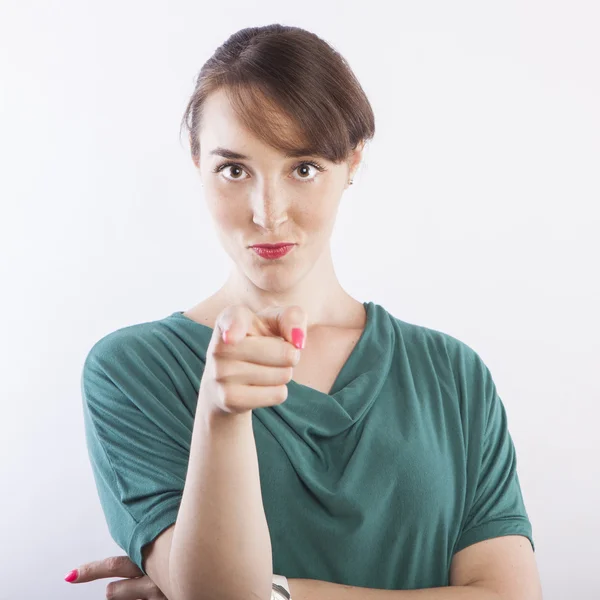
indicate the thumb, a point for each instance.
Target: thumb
{"x":234,"y":323}
{"x":288,"y":322}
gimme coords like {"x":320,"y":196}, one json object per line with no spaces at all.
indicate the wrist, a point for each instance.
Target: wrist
{"x":280,"y":588}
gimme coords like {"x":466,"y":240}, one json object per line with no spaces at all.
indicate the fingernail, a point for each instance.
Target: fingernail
{"x":224,"y":336}
{"x":72,"y":576}
{"x":298,"y":337}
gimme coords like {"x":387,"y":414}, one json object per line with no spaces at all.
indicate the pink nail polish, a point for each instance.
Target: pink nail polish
{"x":72,"y":576}
{"x":298,"y":337}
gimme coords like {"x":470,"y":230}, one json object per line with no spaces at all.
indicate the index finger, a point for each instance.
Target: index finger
{"x":113,"y":566}
{"x":288,"y":322}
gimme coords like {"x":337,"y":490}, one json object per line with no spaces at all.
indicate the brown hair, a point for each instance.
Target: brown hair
{"x":277,"y":70}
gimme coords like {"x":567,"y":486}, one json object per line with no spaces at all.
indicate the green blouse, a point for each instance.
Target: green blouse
{"x":378,"y":484}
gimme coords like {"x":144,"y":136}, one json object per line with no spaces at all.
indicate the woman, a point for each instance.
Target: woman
{"x":385,"y":459}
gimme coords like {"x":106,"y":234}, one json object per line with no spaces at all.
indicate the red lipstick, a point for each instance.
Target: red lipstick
{"x":272,"y":251}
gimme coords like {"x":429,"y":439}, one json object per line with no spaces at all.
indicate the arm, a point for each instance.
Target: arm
{"x":502,"y":568}
{"x":221,"y":544}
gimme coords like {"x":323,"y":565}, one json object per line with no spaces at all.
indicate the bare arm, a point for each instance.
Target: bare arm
{"x":497,"y":569}
{"x":221,"y":547}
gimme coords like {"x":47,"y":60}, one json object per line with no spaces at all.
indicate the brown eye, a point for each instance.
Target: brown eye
{"x":305,"y":168}
{"x":233,"y":168}
{"x":236,"y":169}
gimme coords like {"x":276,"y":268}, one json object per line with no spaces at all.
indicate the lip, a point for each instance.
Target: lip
{"x":272,"y":246}
{"x":272,"y":251}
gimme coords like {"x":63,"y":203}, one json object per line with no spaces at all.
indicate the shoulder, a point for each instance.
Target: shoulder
{"x":124,"y":344}
{"x":447,"y":358}
{"x":127,"y":361}
{"x":437,"y":344}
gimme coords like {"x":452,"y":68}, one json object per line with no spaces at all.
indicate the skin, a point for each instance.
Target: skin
{"x":270,"y":201}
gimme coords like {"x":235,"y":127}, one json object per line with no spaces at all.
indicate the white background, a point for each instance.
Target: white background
{"x":475,"y":213}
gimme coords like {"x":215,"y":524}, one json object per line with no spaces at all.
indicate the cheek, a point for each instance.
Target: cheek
{"x":316,"y":216}
{"x":224,"y":213}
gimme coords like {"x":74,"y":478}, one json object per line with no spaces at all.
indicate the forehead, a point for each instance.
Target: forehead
{"x":218,"y":109}
{"x":223,"y":126}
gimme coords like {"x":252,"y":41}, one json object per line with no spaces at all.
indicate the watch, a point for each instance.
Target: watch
{"x":281,"y":588}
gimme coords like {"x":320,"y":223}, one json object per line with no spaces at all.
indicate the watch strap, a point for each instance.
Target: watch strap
{"x":280,"y":588}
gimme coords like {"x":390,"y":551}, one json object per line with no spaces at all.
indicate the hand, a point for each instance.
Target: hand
{"x":137,"y":587}
{"x":250,"y":358}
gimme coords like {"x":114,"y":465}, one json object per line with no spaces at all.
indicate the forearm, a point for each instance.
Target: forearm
{"x":221,"y":547}
{"x":312,"y":589}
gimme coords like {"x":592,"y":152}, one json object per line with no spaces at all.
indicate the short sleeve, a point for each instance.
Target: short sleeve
{"x":496,"y":507}
{"x":137,"y":434}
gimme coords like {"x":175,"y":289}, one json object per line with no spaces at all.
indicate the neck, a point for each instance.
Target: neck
{"x":319,"y":293}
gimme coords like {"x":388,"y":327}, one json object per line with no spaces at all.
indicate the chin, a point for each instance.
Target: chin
{"x":274,"y":278}
{"x":275,"y":284}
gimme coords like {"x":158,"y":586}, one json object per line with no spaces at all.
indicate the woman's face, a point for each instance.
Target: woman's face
{"x":267,"y":198}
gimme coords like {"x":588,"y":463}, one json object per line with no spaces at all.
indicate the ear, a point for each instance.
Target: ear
{"x":195,"y":159}
{"x":355,"y":160}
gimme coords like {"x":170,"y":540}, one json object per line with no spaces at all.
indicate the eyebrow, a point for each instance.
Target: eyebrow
{"x":230,"y":154}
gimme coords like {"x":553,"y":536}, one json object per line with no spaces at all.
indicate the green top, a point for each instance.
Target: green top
{"x":378,"y":484}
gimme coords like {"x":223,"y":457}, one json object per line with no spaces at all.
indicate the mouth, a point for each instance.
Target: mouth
{"x":273,"y":251}
{"x":272,"y":246}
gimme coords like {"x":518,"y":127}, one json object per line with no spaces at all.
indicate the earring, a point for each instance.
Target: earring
{"x":351,"y":182}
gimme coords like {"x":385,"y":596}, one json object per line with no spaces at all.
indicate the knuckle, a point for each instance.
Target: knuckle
{"x":115,"y":564}
{"x":220,"y":371}
{"x":151,"y":589}
{"x":288,"y":374}
{"x":281,"y":394}
{"x":111,"y":590}
{"x":227,"y":397}
{"x":221,"y":395}
{"x":220,"y":350}
{"x":290,"y":355}
{"x":295,"y":312}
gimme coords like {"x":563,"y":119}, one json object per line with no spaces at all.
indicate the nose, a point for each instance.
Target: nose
{"x":269,"y":209}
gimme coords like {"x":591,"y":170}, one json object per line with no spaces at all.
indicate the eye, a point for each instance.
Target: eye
{"x":232,"y":166}
{"x":235,"y":167}
{"x":310,"y":163}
